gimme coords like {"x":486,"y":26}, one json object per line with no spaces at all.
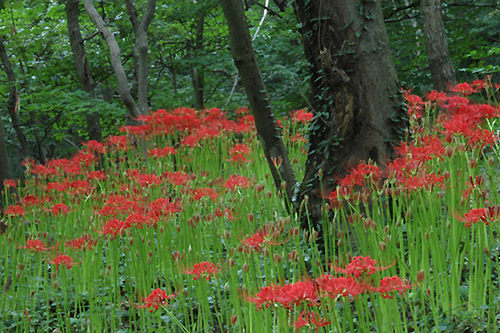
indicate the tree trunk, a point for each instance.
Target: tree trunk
{"x":267,"y":129}
{"x":438,"y":55}
{"x":82,"y":66}
{"x":141,"y":49}
{"x":12,"y":100}
{"x":5,"y":171}
{"x":114,"y":50}
{"x":356,"y":98}
{"x":197,"y":71}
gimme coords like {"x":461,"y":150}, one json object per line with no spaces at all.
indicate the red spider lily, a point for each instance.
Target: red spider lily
{"x":203,"y":269}
{"x":205,"y":192}
{"x":310,"y":319}
{"x":465,"y":89}
{"x":36,"y":245}
{"x":262,"y":237}
{"x":392,"y":283}
{"x":30,"y":200}
{"x":436,"y":96}
{"x":359,"y":175}
{"x":162,"y":152}
{"x":59,"y":208}
{"x":118,"y":143}
{"x":94,"y":146}
{"x":9,"y":183}
{"x":96,"y":175}
{"x":138,"y":220}
{"x":287,"y":295}
{"x":298,"y":138}
{"x":14,"y":210}
{"x":82,"y":243}
{"x":190,"y":141}
{"x":114,"y":228}
{"x":145,"y":180}
{"x":60,"y":187}
{"x":156,"y":299}
{"x":301,"y":116}
{"x":485,"y":215}
{"x":474,"y":184}
{"x":239,"y":153}
{"x":415,"y":105}
{"x":359,"y":266}
{"x":163,"y":207}
{"x":421,"y":181}
{"x":119,"y":204}
{"x":236,"y":181}
{"x":178,"y":178}
{"x":428,"y":148}
{"x":62,"y":259}
{"x":339,"y":286}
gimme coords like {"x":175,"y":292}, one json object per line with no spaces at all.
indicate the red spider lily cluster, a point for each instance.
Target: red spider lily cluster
{"x":311,"y":291}
{"x":459,"y":128}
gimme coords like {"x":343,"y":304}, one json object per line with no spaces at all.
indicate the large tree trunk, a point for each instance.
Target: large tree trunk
{"x":141,"y":49}
{"x":82,"y":66}
{"x":438,"y":55}
{"x":114,"y":50}
{"x":267,"y":129}
{"x":356,"y":97}
{"x":12,"y":100}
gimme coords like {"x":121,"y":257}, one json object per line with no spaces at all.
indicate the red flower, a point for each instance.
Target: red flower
{"x":236,"y":181}
{"x":114,"y":228}
{"x":339,"y":286}
{"x":59,"y":208}
{"x":162,"y":152}
{"x":360,"y":266}
{"x":287,"y":295}
{"x":156,"y":299}
{"x":239,"y":153}
{"x":62,"y":259}
{"x":14,"y":210}
{"x":82,"y":243}
{"x":202,"y":269}
{"x":178,"y":178}
{"x":94,"y":146}
{"x":465,"y":88}
{"x":9,"y":183}
{"x":392,"y":283}
{"x":205,"y":192}
{"x":37,"y":246}
{"x":361,"y":173}
{"x":263,"y":236}
{"x":309,"y":319}
{"x":301,"y":116}
{"x":485,"y":215}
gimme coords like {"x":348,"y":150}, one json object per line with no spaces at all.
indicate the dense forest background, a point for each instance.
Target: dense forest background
{"x":190,"y":62}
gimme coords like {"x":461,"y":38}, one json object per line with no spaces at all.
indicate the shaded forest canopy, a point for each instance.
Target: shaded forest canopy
{"x":189,"y":58}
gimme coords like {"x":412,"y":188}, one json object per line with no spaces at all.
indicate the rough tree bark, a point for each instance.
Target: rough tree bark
{"x":438,"y":55}
{"x":141,"y":49}
{"x":12,"y":100}
{"x":356,"y":98}
{"x":114,"y":50}
{"x":265,"y":122}
{"x":82,"y":66}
